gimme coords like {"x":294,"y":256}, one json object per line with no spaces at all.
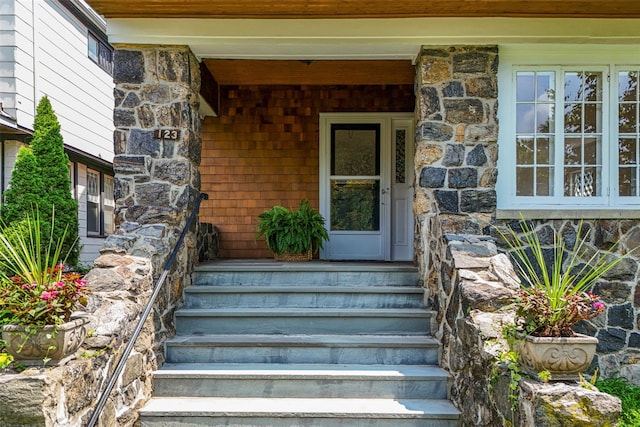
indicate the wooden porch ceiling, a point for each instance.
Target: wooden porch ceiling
{"x":257,"y":72}
{"x":365,"y":8}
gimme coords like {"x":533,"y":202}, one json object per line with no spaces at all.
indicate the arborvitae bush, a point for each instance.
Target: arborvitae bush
{"x":53,"y":192}
{"x":25,"y":190}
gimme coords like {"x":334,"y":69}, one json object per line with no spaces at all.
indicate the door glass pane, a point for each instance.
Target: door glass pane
{"x":355,"y":150}
{"x":401,"y":152}
{"x":355,"y":204}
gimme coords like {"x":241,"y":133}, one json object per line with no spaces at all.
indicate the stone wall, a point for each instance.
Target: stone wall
{"x":156,"y":179}
{"x":456,"y":155}
{"x":473,"y":293}
{"x":65,"y":395}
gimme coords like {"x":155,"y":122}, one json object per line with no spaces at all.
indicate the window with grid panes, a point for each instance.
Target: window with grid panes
{"x":572,"y":137}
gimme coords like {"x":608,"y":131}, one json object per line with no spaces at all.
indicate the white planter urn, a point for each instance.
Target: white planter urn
{"x":47,"y":343}
{"x":564,"y":357}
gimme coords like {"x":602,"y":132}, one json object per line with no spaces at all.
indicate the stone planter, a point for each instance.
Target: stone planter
{"x":33,"y":349}
{"x":564,"y":357}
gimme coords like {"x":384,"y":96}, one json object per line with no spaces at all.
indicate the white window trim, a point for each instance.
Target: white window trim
{"x":536,"y":57}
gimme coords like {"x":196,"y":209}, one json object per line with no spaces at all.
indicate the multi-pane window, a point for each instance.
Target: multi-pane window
{"x":574,"y":137}
{"x":628,"y":133}
{"x":100,"y":203}
{"x":100,"y":53}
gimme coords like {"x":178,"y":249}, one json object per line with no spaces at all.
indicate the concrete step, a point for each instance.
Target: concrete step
{"x":304,"y":296}
{"x":324,"y":349}
{"x":314,"y":273}
{"x":303,"y":321}
{"x":301,"y":380}
{"x":240,"y":412}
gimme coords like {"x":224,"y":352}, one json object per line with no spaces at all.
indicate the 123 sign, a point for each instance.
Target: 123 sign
{"x":172,"y":134}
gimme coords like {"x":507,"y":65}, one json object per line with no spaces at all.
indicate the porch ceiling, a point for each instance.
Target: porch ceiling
{"x":257,"y":72}
{"x":365,"y":8}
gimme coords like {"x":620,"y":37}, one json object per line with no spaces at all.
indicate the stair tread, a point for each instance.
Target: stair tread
{"x":309,"y":312}
{"x":300,"y":407}
{"x":409,"y":289}
{"x":263,"y":265}
{"x":259,"y":340}
{"x":303,"y":371}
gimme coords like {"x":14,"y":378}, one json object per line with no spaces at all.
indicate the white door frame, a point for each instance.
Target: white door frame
{"x":379,"y":249}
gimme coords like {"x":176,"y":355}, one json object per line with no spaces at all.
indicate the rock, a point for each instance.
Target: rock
{"x":432,"y":177}
{"x":463,"y":178}
{"x":429,"y":101}
{"x":477,"y":157}
{"x":453,"y":89}
{"x":447,"y":200}
{"x":453,"y":155}
{"x":141,"y":142}
{"x":452,"y":224}
{"x":128,"y":66}
{"x":435,"y":70}
{"x":611,"y":340}
{"x":173,"y":66}
{"x":471,"y":62}
{"x":481,"y":133}
{"x":621,"y":316}
{"x":557,"y":404}
{"x":427,"y":154}
{"x":434,"y":131}
{"x":478,"y":201}
{"x":613,"y":292}
{"x":484,"y":296}
{"x":124,"y":117}
{"x":466,"y":110}
{"x":482,"y":87}
{"x":131,"y":165}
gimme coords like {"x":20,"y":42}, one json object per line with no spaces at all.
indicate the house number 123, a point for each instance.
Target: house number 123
{"x":166,"y":133}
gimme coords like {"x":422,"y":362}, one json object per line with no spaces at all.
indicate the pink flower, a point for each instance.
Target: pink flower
{"x":60,"y":284}
{"x":598,"y":306}
{"x":47,"y":296}
{"x":81,"y":283}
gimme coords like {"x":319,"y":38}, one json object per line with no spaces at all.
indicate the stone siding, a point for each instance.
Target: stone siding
{"x":156,"y":180}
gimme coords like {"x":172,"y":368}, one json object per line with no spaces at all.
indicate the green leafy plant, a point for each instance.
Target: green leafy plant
{"x":629,"y":395}
{"x":5,"y":360}
{"x":292,"y":231}
{"x":40,"y":180}
{"x":34,"y":289}
{"x":555,"y":296}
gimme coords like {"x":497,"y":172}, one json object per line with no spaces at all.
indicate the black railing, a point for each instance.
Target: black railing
{"x":143,"y":317}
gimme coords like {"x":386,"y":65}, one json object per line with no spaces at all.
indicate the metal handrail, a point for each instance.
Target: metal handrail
{"x":147,"y":309}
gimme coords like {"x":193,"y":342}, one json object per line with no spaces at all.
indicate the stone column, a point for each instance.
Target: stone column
{"x":456,"y":142}
{"x":156,"y":179}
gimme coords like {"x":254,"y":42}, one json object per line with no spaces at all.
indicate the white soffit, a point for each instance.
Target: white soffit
{"x":397,"y":38}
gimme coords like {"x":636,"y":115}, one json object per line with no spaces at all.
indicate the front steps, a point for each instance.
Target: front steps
{"x":302,"y":344}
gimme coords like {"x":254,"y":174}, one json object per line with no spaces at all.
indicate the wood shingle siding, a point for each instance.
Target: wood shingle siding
{"x":263,"y":151}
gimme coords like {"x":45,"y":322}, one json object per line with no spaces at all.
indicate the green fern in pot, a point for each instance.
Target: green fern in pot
{"x":288,"y":231}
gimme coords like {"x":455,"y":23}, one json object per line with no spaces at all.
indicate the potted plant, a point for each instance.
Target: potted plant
{"x":292,"y":235}
{"x":37,"y":297}
{"x":556,"y":294}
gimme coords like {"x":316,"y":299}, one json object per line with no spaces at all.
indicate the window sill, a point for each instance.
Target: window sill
{"x":568,"y":213}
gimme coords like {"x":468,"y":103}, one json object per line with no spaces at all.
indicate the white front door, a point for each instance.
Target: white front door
{"x":366,"y":167}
